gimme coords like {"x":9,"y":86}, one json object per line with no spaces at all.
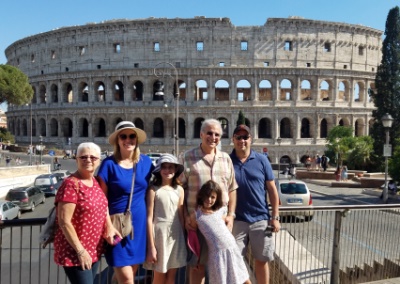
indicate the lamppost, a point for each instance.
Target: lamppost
{"x":41,"y":147}
{"x":279,"y":140}
{"x":387,"y":121}
{"x":162,"y":70}
{"x":31,"y":145}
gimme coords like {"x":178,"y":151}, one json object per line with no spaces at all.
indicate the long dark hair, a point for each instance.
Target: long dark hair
{"x":206,"y":190}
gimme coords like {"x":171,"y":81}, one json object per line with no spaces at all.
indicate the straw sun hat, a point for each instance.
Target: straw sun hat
{"x":141,"y":135}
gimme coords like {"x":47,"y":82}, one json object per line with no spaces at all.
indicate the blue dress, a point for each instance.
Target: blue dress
{"x":119,"y":180}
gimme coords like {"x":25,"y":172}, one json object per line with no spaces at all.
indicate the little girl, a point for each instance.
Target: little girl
{"x":166,"y":247}
{"x":225,"y":262}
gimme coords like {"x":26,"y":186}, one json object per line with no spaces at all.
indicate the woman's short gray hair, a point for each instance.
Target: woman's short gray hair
{"x":88,"y":145}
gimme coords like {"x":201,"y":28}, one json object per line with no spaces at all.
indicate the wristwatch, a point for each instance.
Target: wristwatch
{"x":277,"y":218}
{"x":232,"y":214}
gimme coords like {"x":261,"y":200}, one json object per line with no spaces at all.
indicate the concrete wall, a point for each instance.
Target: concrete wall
{"x":12,"y":177}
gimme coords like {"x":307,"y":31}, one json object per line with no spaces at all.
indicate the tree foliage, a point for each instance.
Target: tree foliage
{"x":386,"y":95}
{"x":6,"y":136}
{"x":241,"y":119}
{"x":14,"y":86}
{"x":343,"y":148}
{"x":394,"y":163}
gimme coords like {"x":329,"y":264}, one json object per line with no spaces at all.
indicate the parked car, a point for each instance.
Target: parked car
{"x":294,"y":193}
{"x":26,"y":197}
{"x":154,"y":157}
{"x":9,"y":210}
{"x":48,"y":183}
{"x":61,"y":174}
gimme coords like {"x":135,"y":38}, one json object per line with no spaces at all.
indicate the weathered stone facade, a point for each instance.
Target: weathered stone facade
{"x":292,"y":78}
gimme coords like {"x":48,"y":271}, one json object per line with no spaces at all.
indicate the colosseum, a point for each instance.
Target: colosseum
{"x":293,"y":79}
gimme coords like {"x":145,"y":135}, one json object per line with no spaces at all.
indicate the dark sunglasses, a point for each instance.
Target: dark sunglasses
{"x":92,"y":158}
{"x":124,"y":136}
{"x":240,"y":137}
{"x":210,"y":133}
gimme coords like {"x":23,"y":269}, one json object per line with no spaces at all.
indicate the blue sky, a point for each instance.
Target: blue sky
{"x":23,"y":18}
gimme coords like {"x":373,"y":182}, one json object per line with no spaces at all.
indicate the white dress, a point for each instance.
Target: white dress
{"x":225,"y":263}
{"x":168,"y":233}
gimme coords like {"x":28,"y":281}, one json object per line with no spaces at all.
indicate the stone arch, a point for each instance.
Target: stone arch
{"x":158,"y":128}
{"x":197,"y":126}
{"x":83,"y":92}
{"x":83,"y":125}
{"x":286,"y":90}
{"x":24,"y":127}
{"x":42,"y":94}
{"x":243,"y":91}
{"x":201,"y":91}
{"x":305,"y":128}
{"x":323,"y":128}
{"x":99,"y":127}
{"x":53,"y":127}
{"x":118,"y":91}
{"x":182,"y":128}
{"x":344,"y":91}
{"x":100,"y":91}
{"x":139,"y":123}
{"x":359,"y":127}
{"x":67,"y":127}
{"x":137,"y":91}
{"x":221,"y":90}
{"x":34,"y":98}
{"x":225,"y":127}
{"x":285,"y":128}
{"x":68,"y":93}
{"x":265,"y":90}
{"x":42,"y":127}
{"x":265,"y":128}
{"x":325,"y":90}
{"x":305,"y":90}
{"x":54,"y":93}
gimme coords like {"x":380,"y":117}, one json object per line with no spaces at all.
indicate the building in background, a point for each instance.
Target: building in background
{"x":292,"y":78}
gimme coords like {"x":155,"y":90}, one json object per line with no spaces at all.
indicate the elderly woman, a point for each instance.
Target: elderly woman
{"x":116,"y":176}
{"x":81,"y":217}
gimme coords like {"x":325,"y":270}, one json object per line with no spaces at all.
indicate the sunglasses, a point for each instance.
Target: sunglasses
{"x":240,"y":137}
{"x":124,"y":136}
{"x":92,"y":158}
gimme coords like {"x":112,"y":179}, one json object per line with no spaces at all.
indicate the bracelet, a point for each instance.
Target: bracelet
{"x":79,"y":253}
{"x":277,"y":218}
{"x":232,"y":214}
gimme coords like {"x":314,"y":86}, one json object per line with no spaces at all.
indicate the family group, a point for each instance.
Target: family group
{"x":202,"y":210}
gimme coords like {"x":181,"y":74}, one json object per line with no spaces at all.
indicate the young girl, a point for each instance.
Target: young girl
{"x":225,"y":263}
{"x":166,"y":247}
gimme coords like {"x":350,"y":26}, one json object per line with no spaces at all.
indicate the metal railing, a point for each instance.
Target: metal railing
{"x":340,"y":244}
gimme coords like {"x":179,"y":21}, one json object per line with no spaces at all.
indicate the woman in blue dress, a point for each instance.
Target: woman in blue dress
{"x":115,"y":174}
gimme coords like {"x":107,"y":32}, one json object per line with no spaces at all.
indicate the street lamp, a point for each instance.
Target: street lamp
{"x":279,"y":140}
{"x":387,"y":121}
{"x":41,"y":147}
{"x":162,"y":70}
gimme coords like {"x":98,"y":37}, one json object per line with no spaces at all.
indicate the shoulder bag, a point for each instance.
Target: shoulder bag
{"x":122,"y":222}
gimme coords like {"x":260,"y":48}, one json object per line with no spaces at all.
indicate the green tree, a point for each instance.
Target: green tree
{"x":14,"y":86}
{"x":360,"y":152}
{"x":339,"y":140}
{"x":386,"y":96}
{"x":394,"y":163}
{"x":6,"y":136}
{"x":241,"y":119}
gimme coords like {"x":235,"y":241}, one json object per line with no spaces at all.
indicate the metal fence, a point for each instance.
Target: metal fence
{"x":341,"y":244}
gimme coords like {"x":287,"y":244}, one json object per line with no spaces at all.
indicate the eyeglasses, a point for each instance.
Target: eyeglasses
{"x":240,"y":137}
{"x":124,"y":136}
{"x":92,"y":158}
{"x":210,"y":133}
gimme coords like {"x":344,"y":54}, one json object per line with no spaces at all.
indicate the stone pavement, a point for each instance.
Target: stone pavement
{"x":386,"y":281}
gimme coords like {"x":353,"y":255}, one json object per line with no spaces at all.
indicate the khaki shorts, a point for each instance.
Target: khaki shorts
{"x":262,"y":245}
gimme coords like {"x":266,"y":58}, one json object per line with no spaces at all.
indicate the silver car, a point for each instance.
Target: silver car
{"x":294,"y":193}
{"x":9,"y":210}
